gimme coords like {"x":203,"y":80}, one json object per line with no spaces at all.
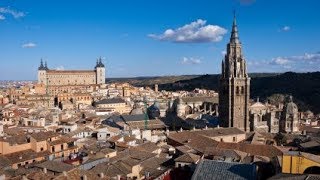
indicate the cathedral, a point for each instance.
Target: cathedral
{"x":50,"y":77}
{"x":234,"y":87}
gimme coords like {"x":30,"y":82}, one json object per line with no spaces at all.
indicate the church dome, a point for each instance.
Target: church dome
{"x":291,"y":107}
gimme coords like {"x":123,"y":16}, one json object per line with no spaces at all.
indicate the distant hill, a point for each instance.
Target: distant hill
{"x":150,"y":81}
{"x":304,"y":87}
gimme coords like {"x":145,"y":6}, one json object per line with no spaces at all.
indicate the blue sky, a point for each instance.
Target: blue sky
{"x":151,"y":38}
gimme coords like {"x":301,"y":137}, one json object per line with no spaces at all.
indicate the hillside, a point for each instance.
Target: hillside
{"x":150,"y":81}
{"x":304,"y":87}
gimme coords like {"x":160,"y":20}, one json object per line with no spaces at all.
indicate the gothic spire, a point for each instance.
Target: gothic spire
{"x":99,"y":63}
{"x":41,"y":67}
{"x":234,"y":33}
{"x":46,"y":66}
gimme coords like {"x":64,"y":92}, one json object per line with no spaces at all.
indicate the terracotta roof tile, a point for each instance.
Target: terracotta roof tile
{"x":252,"y":149}
{"x":188,"y":158}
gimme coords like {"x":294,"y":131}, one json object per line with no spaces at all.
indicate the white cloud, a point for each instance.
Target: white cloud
{"x":300,"y":63}
{"x":60,"y":68}
{"x":7,"y":10}
{"x":29,"y":45}
{"x":190,"y":60}
{"x":195,"y":32}
{"x":223,"y":53}
{"x":280,"y":61}
{"x":2,"y":17}
{"x":285,"y":28}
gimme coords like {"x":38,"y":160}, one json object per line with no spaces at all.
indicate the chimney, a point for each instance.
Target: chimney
{"x":24,"y":177}
{"x":84,"y":177}
{"x":101,"y":175}
{"x":118,"y":177}
{"x":64,"y":173}
{"x":45,"y":170}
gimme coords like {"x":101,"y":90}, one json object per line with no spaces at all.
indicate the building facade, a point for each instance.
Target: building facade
{"x":71,"y":77}
{"x":290,"y":121}
{"x":264,"y":117}
{"x":234,"y":88}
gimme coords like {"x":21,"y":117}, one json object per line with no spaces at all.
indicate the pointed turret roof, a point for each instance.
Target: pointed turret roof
{"x":234,"y":33}
{"x":41,"y":67}
{"x":46,"y":66}
{"x":99,"y":63}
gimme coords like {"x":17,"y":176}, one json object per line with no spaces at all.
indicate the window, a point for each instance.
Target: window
{"x":234,"y":139}
{"x":242,"y":90}
{"x":52,"y":148}
{"x":61,"y":146}
{"x":41,"y":149}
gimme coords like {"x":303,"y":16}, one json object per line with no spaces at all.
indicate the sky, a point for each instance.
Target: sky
{"x":156,"y":37}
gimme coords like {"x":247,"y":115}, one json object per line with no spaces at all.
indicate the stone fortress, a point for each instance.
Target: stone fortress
{"x":69,"y":87}
{"x":50,"y":77}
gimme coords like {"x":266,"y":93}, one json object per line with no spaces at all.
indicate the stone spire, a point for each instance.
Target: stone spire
{"x":100,"y":64}
{"x":46,"y":66}
{"x":290,"y":99}
{"x":234,"y":33}
{"x":41,"y":67}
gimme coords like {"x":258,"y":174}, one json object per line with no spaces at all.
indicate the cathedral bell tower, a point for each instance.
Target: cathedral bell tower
{"x":234,"y":87}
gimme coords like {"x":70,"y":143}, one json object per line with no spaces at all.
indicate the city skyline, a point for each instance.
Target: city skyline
{"x":146,"y":39}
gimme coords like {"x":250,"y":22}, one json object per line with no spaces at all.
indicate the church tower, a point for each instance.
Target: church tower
{"x":100,"y":72}
{"x":42,"y":71}
{"x":234,"y":87}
